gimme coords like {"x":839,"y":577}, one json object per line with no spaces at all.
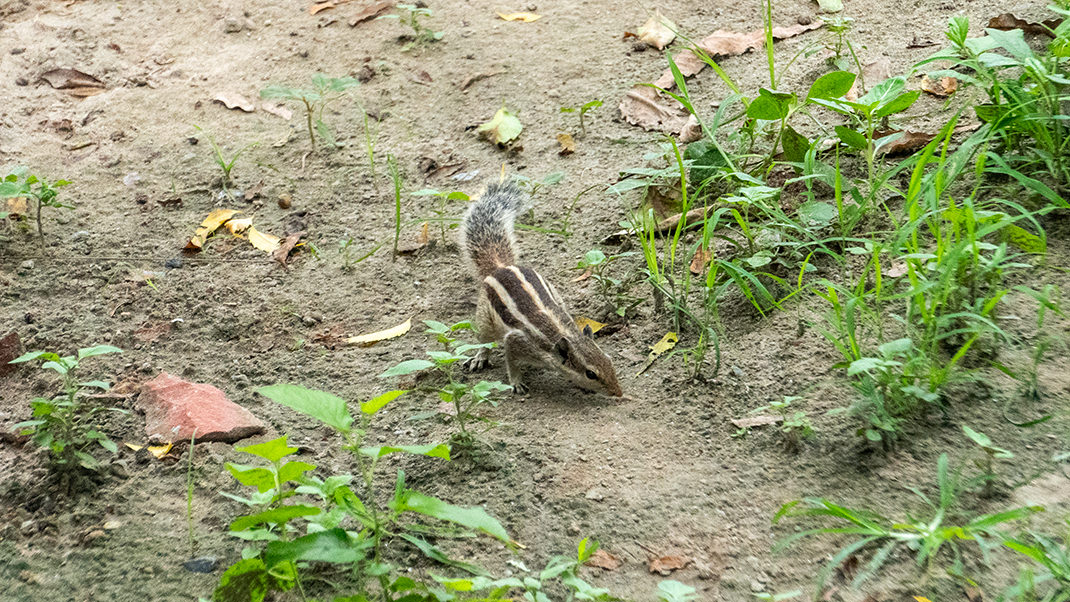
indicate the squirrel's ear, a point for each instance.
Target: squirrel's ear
{"x":587,"y":332}
{"x":561,"y":348}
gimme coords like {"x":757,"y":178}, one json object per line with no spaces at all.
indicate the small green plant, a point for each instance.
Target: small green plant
{"x":987,"y":464}
{"x":225,"y":165}
{"x":441,"y":213}
{"x":421,"y":34}
{"x":395,"y":177}
{"x":927,"y":536}
{"x":66,"y":423}
{"x":582,"y":110}
{"x":795,"y":426}
{"x":1052,"y":584}
{"x":325,"y":90}
{"x":345,"y":249}
{"x":615,"y":293}
{"x":670,"y":590}
{"x":463,"y":398}
{"x":838,"y":42}
{"x":20,"y":183}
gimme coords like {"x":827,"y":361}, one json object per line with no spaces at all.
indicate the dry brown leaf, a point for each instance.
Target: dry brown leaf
{"x":238,"y":225}
{"x":568,"y":145}
{"x":235,"y":101}
{"x":282,"y":253}
{"x":873,"y":72}
{"x":254,"y":191}
{"x":367,"y":340}
{"x":895,"y":270}
{"x":584,"y":276}
{"x":912,"y":141}
{"x":315,"y":8}
{"x":471,"y":79}
{"x":214,"y":220}
{"x":1007,"y":21}
{"x":277,"y":110}
{"x":583,"y":322}
{"x":642,"y":106}
{"x":265,"y":242}
{"x":370,"y":12}
{"x":700,"y":260}
{"x":84,"y":91}
{"x":752,"y":421}
{"x":692,"y":130}
{"x":665,"y":565}
{"x":945,"y":86}
{"x":424,"y":236}
{"x":523,"y":17}
{"x":18,"y":206}
{"x":62,"y":79}
{"x":421,"y":77}
{"x":658,"y":31}
{"x":604,"y":560}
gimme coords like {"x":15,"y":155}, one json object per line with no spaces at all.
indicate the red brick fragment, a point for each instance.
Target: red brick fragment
{"x":175,"y":408}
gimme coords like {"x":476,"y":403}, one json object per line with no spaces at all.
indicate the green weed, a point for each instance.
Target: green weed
{"x":410,"y":14}
{"x":795,"y":425}
{"x":325,"y":90}
{"x":20,"y":183}
{"x":225,"y":165}
{"x":582,"y":110}
{"x":615,"y":292}
{"x":441,"y":213}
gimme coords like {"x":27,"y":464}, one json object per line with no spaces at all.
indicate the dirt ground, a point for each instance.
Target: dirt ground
{"x":658,"y":473}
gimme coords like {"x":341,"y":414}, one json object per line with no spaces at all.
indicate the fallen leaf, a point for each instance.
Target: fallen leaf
{"x":502,"y":128}
{"x":282,"y":253}
{"x":265,"y":242}
{"x":568,"y":145}
{"x":1007,"y":21}
{"x":848,"y":568}
{"x":524,"y":17}
{"x":421,"y":77}
{"x":367,"y":340}
{"x":895,"y":270}
{"x":658,"y":31}
{"x":62,"y":79}
{"x":665,"y":565}
{"x":370,"y":12}
{"x":85,"y":91}
{"x":642,"y":106}
{"x":424,"y":236}
{"x":604,"y":560}
{"x":214,"y":220}
{"x":691,"y":131}
{"x":666,"y":343}
{"x":700,"y":260}
{"x":584,"y":276}
{"x":583,"y":322}
{"x":158,"y":451}
{"x":830,"y":6}
{"x":945,"y":86}
{"x":238,"y":225}
{"x":315,"y":8}
{"x":912,"y":141}
{"x":446,"y":408}
{"x":753,"y":421}
{"x":922,"y":599}
{"x":253,"y":192}
{"x":277,"y":110}
{"x":235,"y":101}
{"x":18,"y":206}
{"x":471,"y":79}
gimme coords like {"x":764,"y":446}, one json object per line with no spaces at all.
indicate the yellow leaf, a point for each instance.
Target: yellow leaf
{"x":133,"y":446}
{"x":215,"y":219}
{"x":265,"y":242}
{"x":922,"y":599}
{"x":666,"y":343}
{"x":158,"y":451}
{"x":568,"y":145}
{"x":238,"y":225}
{"x":595,"y":325}
{"x":367,"y":340}
{"x":525,"y":17}
{"x":18,"y":206}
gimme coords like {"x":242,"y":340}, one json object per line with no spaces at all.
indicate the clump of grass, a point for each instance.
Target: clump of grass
{"x":21,"y":183}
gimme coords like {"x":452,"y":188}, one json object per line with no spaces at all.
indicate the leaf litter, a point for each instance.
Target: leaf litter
{"x":666,"y":343}
{"x":239,"y":226}
{"x":522,"y":17}
{"x":658,"y":31}
{"x":371,"y":338}
{"x":503,"y":128}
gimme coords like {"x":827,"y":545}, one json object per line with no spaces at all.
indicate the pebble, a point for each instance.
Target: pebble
{"x":22,"y":81}
{"x":26,"y":265}
{"x":595,"y":494}
{"x":233,"y":25}
{"x":173,"y":264}
{"x":203,"y":564}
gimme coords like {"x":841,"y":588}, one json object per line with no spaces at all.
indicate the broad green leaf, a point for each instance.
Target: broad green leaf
{"x":95,"y":384}
{"x":795,"y":145}
{"x":284,"y":93}
{"x":276,"y":516}
{"x":98,"y":350}
{"x":34,"y":355}
{"x":440,"y":450}
{"x":1024,"y":239}
{"x":897,"y":104}
{"x":472,"y":517}
{"x":252,"y":476}
{"x":770,"y":106}
{"x":898,"y":346}
{"x":291,"y":471}
{"x":978,"y":438}
{"x":332,"y":545}
{"x":438,"y":555}
{"x":1012,"y":41}
{"x":851,"y":138}
{"x":272,"y":451}
{"x":407,"y":367}
{"x":328,"y":409}
{"x":502,"y":128}
{"x":831,"y":85}
{"x":864,"y":365}
{"x":882,"y":93}
{"x":245,"y":580}
{"x":817,"y":212}
{"x":372,"y":406}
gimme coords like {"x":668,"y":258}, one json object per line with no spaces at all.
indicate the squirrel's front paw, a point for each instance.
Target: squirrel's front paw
{"x":520,"y":388}
{"x":479,"y":361}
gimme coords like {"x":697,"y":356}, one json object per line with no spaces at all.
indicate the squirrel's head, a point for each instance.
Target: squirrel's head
{"x":585,"y":364}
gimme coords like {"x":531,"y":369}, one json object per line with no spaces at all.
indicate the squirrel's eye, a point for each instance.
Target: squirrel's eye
{"x":591,"y":375}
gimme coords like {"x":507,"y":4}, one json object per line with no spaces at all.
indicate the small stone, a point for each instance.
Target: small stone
{"x":203,"y":564}
{"x":112,"y":525}
{"x":756,"y":587}
{"x":596,"y":494}
{"x":26,"y":265}
{"x":233,"y":25}
{"x":285,"y":201}
{"x":308,"y":321}
{"x":573,"y":529}
{"x":22,"y":81}
{"x":175,"y":409}
{"x":173,"y":264}
{"x":18,"y":50}
{"x":30,"y":577}
{"x":93,"y":535}
{"x":28,"y":528}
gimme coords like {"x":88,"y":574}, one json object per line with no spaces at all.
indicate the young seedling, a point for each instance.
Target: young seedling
{"x":325,"y":90}
{"x":21,"y":183}
{"x":442,"y":214}
{"x":421,"y":35}
{"x":582,"y":110}
{"x":395,"y":177}
{"x":66,"y":423}
{"x":463,"y":398}
{"x":345,"y":249}
{"x":225,"y":165}
{"x":987,"y":464}
{"x":614,"y":292}
{"x":795,"y":426}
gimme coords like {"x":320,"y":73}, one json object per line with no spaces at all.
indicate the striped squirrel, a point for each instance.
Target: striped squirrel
{"x":519,"y":308}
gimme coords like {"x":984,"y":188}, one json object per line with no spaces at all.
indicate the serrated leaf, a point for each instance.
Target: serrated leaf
{"x":374,"y":405}
{"x":332,"y":545}
{"x":325,"y":407}
{"x":272,"y":451}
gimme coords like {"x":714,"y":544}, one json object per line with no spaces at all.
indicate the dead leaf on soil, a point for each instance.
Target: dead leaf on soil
{"x":604,"y":560}
{"x":149,"y":333}
{"x":895,"y":270}
{"x":753,"y":421}
{"x":17,"y":206}
{"x":277,"y":110}
{"x":370,"y":12}
{"x":238,"y":225}
{"x":584,"y":276}
{"x":944,"y":86}
{"x":84,"y":91}
{"x":872,"y":72}
{"x":666,"y":343}
{"x":158,"y":451}
{"x":700,"y":260}
{"x":421,"y":77}
{"x":583,"y":322}
{"x":235,"y":101}
{"x":471,"y":79}
{"x":286,"y":245}
{"x":912,"y":141}
{"x":692,"y":130}
{"x":214,"y":220}
{"x":523,"y":17}
{"x":321,"y":6}
{"x":1007,"y":21}
{"x":65,"y":79}
{"x":254,"y":191}
{"x":424,"y":236}
{"x":665,"y":565}
{"x":367,"y":340}
{"x":568,"y":145}
{"x":642,"y":106}
{"x":504,"y":127}
{"x":267,"y":243}
{"x":658,"y":31}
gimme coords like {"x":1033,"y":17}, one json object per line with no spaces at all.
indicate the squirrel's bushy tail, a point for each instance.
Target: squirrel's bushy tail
{"x":487,"y":230}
